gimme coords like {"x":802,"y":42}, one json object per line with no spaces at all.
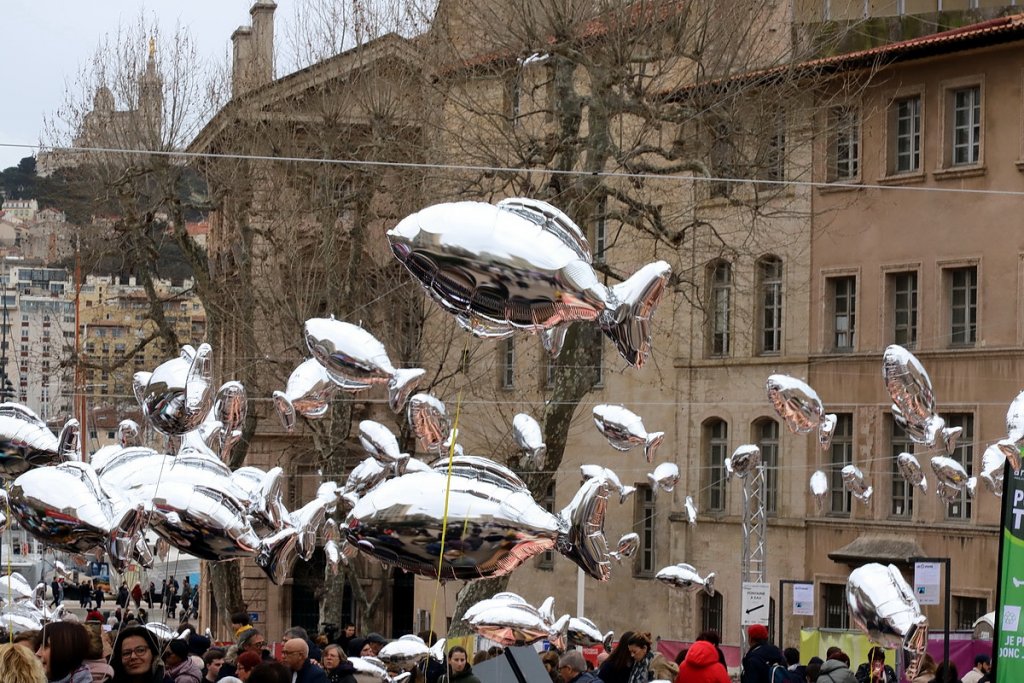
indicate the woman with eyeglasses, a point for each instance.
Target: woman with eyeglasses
{"x":136,"y":657}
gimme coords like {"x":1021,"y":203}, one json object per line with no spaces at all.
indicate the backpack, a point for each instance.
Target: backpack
{"x":780,"y":674}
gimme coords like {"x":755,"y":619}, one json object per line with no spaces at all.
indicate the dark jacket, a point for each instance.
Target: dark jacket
{"x":157,"y":674}
{"x":757,"y":665}
{"x":609,"y":674}
{"x":343,"y":673}
{"x":585,"y":677}
{"x":834,"y":671}
{"x":464,"y":676}
{"x":311,"y":673}
{"x":864,"y":673}
{"x":702,"y":666}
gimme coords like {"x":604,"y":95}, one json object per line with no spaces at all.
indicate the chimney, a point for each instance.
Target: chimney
{"x":262,"y":14}
{"x":241,"y":60}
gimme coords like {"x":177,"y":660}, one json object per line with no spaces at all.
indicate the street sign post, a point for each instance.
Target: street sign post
{"x":755,"y":604}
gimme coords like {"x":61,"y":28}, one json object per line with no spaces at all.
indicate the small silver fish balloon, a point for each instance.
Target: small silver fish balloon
{"x":685,"y":576}
{"x":727,"y":468}
{"x":911,"y":392}
{"x":745,"y":459}
{"x":178,"y":395}
{"x":910,"y":470}
{"x":429,"y":420}
{"x":404,"y":654}
{"x":625,"y":430}
{"x":524,"y":265}
{"x":665,"y":477}
{"x":800,"y":407}
{"x":856,"y":484}
{"x":26,"y":441}
{"x":231,"y":405}
{"x":356,"y":360}
{"x":380,"y":442}
{"x":308,"y":393}
{"x":529,"y":438}
{"x":951,"y":475}
{"x":591,"y":471}
{"x":883,"y":606}
{"x":128,"y":433}
{"x":627,"y":546}
{"x":333,"y":555}
{"x":992,"y":461}
{"x":585,"y":633}
{"x":971,"y":486}
{"x":518,"y":623}
{"x":691,"y":511}
{"x":1015,"y":420}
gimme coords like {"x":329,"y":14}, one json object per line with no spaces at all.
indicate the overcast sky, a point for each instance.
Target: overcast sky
{"x":44,"y":43}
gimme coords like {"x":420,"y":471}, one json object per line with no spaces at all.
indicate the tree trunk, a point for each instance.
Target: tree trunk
{"x":226,"y":580}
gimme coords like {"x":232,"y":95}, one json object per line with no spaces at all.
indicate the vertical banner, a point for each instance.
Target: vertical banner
{"x":926,"y":582}
{"x":1009,"y":636}
{"x":803,"y":599}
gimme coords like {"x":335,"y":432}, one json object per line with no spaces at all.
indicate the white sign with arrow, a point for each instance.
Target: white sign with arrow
{"x":756,"y":597}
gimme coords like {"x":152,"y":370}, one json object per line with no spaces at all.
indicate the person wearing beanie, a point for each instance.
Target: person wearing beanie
{"x":94,"y":615}
{"x":701,"y":665}
{"x":180,"y":667}
{"x":757,"y":664}
{"x":136,"y":657}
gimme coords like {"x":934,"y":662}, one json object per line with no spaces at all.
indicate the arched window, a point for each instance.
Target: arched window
{"x":716,"y":446}
{"x":720,"y":277}
{"x":769,"y":285}
{"x":766,"y":433}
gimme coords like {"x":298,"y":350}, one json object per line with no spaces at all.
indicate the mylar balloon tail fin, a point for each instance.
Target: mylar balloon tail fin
{"x":581,"y":529}
{"x":709,"y":584}
{"x":914,"y":646}
{"x":826,"y":429}
{"x":276,"y":554}
{"x":197,"y":385}
{"x":140,"y":380}
{"x":121,"y":543}
{"x":606,"y":643}
{"x":558,"y":632}
{"x":553,"y":340}
{"x":285,"y":410}
{"x":401,"y":385}
{"x":651,"y":444}
{"x":949,"y":435}
{"x":632,"y":304}
{"x":69,"y":442}
{"x":1012,"y":453}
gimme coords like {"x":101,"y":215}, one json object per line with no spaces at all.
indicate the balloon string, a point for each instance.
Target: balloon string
{"x":447,"y":497}
{"x":10,"y":568}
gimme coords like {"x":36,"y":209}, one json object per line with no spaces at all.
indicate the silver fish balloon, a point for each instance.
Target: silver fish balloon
{"x":800,"y":407}
{"x":26,"y":441}
{"x":529,"y":438}
{"x":745,"y":459}
{"x":625,"y":430}
{"x":685,"y":576}
{"x":428,"y":418}
{"x":372,"y":670}
{"x":381,"y":443}
{"x":910,"y":470}
{"x":584,"y":633}
{"x":883,"y":606}
{"x":911,"y":392}
{"x":591,"y":471}
{"x":364,"y":476}
{"x":498,"y":527}
{"x":664,"y":477}
{"x":231,"y":405}
{"x":853,"y":479}
{"x":513,"y":623}
{"x":356,"y":360}
{"x":1015,"y":421}
{"x":14,"y":587}
{"x":971,"y":486}
{"x":691,"y":511}
{"x":404,"y":654}
{"x":308,"y":393}
{"x":128,"y":433}
{"x":524,"y":265}
{"x":992,"y":461}
{"x":950,"y":477}
{"x":819,"y":488}
{"x":627,"y":546}
{"x":307,"y":521}
{"x":66,"y":507}
{"x":177,"y":396}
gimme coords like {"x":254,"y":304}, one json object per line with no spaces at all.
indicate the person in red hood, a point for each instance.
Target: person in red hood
{"x":702,"y":666}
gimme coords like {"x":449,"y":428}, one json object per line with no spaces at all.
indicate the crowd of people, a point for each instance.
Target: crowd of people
{"x":120,"y":649}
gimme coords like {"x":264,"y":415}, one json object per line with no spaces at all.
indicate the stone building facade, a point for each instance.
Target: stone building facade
{"x":816,"y":283}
